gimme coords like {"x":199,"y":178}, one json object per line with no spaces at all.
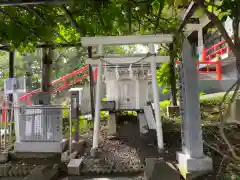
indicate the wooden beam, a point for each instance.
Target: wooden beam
{"x":124,"y":40}
{"x":35,"y":2}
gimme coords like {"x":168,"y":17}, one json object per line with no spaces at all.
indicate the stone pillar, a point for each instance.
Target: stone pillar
{"x":112,"y":127}
{"x":200,"y":44}
{"x":156,"y":99}
{"x":19,"y":126}
{"x":75,"y":113}
{"x":96,"y":130}
{"x":192,"y":157}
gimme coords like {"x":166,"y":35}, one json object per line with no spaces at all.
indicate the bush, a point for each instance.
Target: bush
{"x":104,"y":115}
{"x":65,"y":111}
{"x":165,"y":103}
{"x":128,"y":113}
{"x":216,"y":99}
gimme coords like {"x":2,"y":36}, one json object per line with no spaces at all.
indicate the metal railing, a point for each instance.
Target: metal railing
{"x":217,"y":64}
{"x":39,"y":123}
{"x":217,"y":49}
{"x":61,"y":83}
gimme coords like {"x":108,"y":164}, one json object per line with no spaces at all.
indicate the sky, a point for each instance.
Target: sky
{"x":142,"y":49}
{"x":228,"y":26}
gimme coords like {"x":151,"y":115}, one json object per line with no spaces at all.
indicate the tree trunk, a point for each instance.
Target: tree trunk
{"x":173,"y":77}
{"x":46,"y":69}
{"x":10,"y":97}
{"x":238,"y":64}
{"x":11,"y":70}
{"x":91,"y":83}
{"x":29,"y":73}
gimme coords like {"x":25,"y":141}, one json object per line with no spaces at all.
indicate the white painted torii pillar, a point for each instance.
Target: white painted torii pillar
{"x":151,"y":40}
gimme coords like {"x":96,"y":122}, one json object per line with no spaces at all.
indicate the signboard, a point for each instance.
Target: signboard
{"x":75,"y":113}
{"x":75,"y":104}
{"x":9,"y":85}
{"x":13,"y":84}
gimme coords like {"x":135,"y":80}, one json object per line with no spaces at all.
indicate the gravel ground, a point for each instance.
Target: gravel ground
{"x":126,"y":153}
{"x":136,"y":177}
{"x":123,"y":156}
{"x":10,"y":178}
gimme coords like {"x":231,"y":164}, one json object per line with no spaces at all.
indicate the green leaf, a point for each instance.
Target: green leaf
{"x":165,"y":90}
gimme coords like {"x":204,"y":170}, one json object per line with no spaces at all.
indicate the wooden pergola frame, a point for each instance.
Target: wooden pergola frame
{"x":188,"y":14}
{"x":67,"y":44}
{"x":33,"y":2}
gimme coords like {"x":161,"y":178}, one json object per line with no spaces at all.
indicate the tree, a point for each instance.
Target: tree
{"x":25,"y":27}
{"x":166,"y":75}
{"x":65,"y":60}
{"x":29,"y":65}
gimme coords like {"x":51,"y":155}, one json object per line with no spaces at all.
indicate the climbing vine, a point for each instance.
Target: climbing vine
{"x":24,"y":27}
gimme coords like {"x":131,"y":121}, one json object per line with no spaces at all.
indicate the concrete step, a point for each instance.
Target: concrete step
{"x":208,"y":76}
{"x":101,"y":178}
{"x":43,"y":173}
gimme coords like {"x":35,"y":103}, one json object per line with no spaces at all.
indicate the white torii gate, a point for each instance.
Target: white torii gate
{"x":151,"y":40}
{"x":192,"y":157}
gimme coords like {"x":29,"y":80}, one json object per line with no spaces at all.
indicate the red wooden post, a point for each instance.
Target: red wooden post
{"x":95,"y":74}
{"x":219,"y":69}
{"x":4,"y":113}
{"x":27,"y":100}
{"x":228,"y":49}
{"x":204,"y":54}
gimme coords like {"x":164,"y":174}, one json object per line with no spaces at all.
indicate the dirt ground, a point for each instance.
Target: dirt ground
{"x":129,"y":150}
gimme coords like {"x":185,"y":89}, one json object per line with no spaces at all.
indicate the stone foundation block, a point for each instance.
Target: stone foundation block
{"x":41,"y":147}
{"x":3,"y":157}
{"x":158,"y":169}
{"x":78,"y":145}
{"x":173,"y":111}
{"x":191,"y":168}
{"x":112,"y":127}
{"x":42,"y":172}
{"x":74,"y":166}
{"x":194,"y":164}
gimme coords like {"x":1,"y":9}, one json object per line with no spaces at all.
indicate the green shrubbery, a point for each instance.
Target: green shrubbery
{"x":216,"y":99}
{"x":165,"y":103}
{"x":65,"y":112}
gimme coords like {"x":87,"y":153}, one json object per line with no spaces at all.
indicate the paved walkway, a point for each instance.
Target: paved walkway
{"x":100,"y":178}
{"x":76,"y":178}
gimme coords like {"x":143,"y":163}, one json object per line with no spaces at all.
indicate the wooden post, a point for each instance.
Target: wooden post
{"x":219,"y":69}
{"x":10,"y":96}
{"x":75,"y":113}
{"x":204,"y":54}
{"x":46,"y":76}
{"x":91,"y":82}
{"x":173,"y":77}
{"x":46,"y":67}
